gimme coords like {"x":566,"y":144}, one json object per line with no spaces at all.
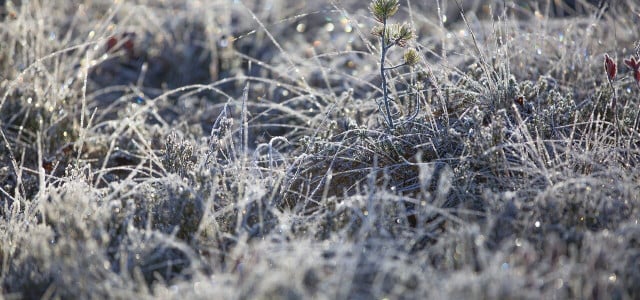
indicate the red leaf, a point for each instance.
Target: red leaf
{"x":47,"y":165}
{"x":632,"y":63}
{"x":635,"y":67}
{"x":124,"y":41}
{"x":128,"y":41}
{"x":112,"y":42}
{"x":610,"y":67}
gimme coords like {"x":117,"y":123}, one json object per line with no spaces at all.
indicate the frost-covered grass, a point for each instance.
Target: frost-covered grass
{"x":235,"y":149}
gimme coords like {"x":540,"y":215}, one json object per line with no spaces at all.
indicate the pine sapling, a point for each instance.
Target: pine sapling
{"x":391,"y":34}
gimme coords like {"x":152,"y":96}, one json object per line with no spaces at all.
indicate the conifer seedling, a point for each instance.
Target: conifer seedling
{"x":390,"y":35}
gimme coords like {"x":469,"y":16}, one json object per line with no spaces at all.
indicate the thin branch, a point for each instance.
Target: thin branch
{"x":395,"y":67}
{"x":385,"y":88}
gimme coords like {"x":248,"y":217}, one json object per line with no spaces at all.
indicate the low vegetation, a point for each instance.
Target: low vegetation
{"x":291,"y":149}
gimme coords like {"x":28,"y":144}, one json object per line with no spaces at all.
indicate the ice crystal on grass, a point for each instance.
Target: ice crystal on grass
{"x":235,"y":149}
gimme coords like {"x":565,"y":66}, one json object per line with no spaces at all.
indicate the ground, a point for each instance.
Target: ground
{"x":241,"y":149}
